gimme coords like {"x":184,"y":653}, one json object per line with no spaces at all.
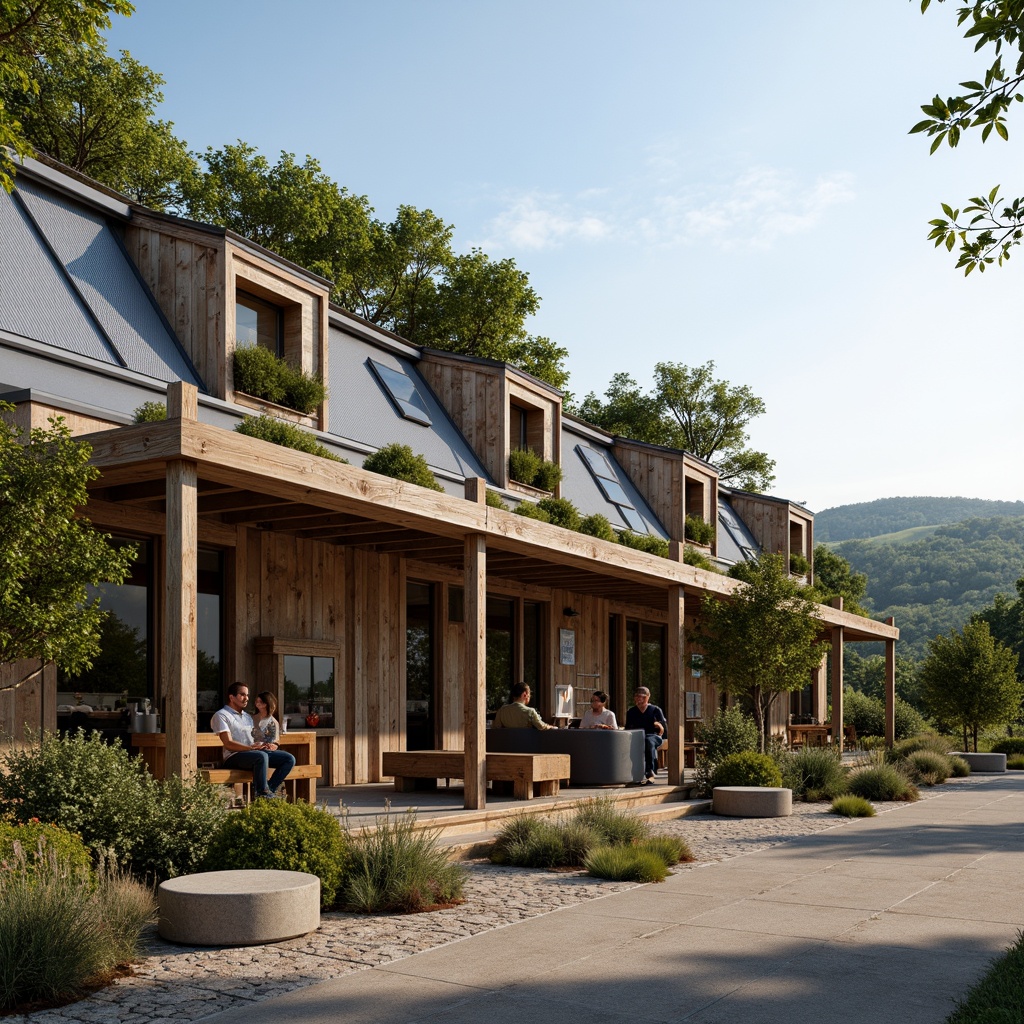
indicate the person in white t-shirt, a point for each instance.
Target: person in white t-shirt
{"x":597,"y":716}
{"x":242,"y":752}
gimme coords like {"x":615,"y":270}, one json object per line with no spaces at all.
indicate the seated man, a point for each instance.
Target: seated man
{"x":651,"y":719}
{"x":517,"y":714}
{"x":241,"y":752}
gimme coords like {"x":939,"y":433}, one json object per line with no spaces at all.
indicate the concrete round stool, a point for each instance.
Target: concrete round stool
{"x":752,"y":801}
{"x":238,"y":908}
{"x":993,"y":763}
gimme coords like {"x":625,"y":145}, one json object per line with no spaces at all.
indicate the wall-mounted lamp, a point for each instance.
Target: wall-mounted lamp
{"x":570,"y":613}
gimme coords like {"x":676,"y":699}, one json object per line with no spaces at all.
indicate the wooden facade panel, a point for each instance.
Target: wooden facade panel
{"x":28,"y":701}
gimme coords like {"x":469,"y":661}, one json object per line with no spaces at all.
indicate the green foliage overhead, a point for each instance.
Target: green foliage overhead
{"x":260,"y":373}
{"x":97,"y":114}
{"x":688,"y":408}
{"x":34,"y":32}
{"x":49,"y":555}
{"x":288,"y":435}
{"x":399,"y":461}
{"x":969,"y":681}
{"x":763,"y":641}
{"x":988,"y":226}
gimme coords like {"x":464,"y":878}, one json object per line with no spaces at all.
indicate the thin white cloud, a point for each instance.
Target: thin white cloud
{"x":754,"y":210}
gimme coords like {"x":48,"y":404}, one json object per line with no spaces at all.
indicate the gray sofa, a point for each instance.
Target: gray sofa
{"x":598,"y":757}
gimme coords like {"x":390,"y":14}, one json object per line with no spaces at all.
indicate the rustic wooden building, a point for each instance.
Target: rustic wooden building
{"x":386,"y":616}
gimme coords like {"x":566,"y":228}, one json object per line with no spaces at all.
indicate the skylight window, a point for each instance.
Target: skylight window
{"x":607,"y":479}
{"x":401,"y":389}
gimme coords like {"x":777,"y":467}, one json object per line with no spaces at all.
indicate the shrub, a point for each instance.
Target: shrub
{"x":400,"y":462}
{"x":926,"y":767}
{"x":697,"y":530}
{"x":798,"y":565}
{"x":494,"y":500}
{"x":881,"y":782}
{"x":531,"y":511}
{"x":260,"y":373}
{"x":516,"y":831}
{"x":59,"y":932}
{"x":867,"y":715}
{"x":288,"y":435}
{"x":1015,"y":762}
{"x":538,"y":846}
{"x":399,"y":868}
{"x":28,"y":843}
{"x":150,"y":412}
{"x":82,"y":784}
{"x":597,"y":525}
{"x":748,"y":768}
{"x":816,"y":773}
{"x":728,"y":732}
{"x":960,"y":769}
{"x":287,"y":837}
{"x":691,"y":556}
{"x":853,"y":807}
{"x":626,"y":864}
{"x":549,"y":475}
{"x":612,"y":826}
{"x":921,"y":741}
{"x":645,"y":542}
{"x":561,"y":512}
{"x":523,"y":465}
{"x":671,"y":849}
{"x":907,"y":720}
{"x":1009,"y":745}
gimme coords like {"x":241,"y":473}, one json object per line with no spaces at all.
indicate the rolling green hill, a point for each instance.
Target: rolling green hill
{"x":893,"y":515}
{"x":931,"y":580}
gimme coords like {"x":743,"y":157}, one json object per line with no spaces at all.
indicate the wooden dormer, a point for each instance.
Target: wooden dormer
{"x":779,"y":526}
{"x":199,"y":274}
{"x":498,"y":409}
{"x":674,"y":483}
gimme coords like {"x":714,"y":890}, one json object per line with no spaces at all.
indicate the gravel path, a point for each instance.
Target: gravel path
{"x":181,"y":983}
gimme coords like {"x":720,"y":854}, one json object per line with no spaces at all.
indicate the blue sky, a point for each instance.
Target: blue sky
{"x":680,"y":184}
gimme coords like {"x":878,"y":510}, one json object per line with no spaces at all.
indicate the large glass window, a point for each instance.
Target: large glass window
{"x":309,"y":691}
{"x":402,"y":391}
{"x":419,"y":666}
{"x":258,"y":323}
{"x":500,"y":660}
{"x":645,"y":660}
{"x":209,"y":633}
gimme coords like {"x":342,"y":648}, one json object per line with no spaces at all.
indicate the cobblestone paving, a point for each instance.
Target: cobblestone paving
{"x":181,"y":983}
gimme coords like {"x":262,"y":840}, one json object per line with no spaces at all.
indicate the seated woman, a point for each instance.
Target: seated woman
{"x":597,"y":716}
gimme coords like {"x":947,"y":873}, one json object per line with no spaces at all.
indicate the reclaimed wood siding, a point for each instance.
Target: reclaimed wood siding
{"x":659,"y":478}
{"x":28,"y":701}
{"x":186,"y":276}
{"x":767,"y":521}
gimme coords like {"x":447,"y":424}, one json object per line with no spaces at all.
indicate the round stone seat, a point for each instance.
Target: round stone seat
{"x":752,"y":801}
{"x":238,"y":908}
{"x":994,"y":763}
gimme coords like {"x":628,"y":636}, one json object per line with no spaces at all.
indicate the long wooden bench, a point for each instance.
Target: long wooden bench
{"x":300,"y":784}
{"x":420,"y":769}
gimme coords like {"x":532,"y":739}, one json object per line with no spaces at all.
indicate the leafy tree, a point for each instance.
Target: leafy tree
{"x":48,"y":555}
{"x":969,"y":680}
{"x":688,"y":408}
{"x":989,"y":226}
{"x":762,"y":642}
{"x":97,"y":114}
{"x":1005,"y":619}
{"x":40,"y":30}
{"x":867,"y":675}
{"x":834,"y":577}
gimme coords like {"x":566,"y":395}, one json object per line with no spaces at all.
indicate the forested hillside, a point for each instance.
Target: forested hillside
{"x":935,"y":584}
{"x":888,"y":515}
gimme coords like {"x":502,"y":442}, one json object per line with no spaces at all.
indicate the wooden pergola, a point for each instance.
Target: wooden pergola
{"x":172,"y":476}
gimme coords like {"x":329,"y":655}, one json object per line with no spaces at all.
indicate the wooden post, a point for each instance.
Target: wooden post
{"x":837,"y":679}
{"x":675,"y":686}
{"x":474,"y":682}
{"x":890,"y":687}
{"x":476,"y":489}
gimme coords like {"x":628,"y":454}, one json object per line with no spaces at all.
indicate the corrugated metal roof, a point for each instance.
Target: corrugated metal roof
{"x":36,"y":300}
{"x":106,"y":280}
{"x":583,"y":490}
{"x":361,"y":410}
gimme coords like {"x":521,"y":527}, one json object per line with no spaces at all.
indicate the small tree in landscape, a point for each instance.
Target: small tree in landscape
{"x":763,"y":641}
{"x":969,"y":680}
{"x":48,"y":555}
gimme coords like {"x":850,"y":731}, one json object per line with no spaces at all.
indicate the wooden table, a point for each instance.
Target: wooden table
{"x":420,"y":769}
{"x":302,"y":745}
{"x":809,"y":735}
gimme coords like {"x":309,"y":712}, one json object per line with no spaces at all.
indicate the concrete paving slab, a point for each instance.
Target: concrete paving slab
{"x":943,"y":934}
{"x":767,"y":918}
{"x":655,"y":904}
{"x":827,"y":889}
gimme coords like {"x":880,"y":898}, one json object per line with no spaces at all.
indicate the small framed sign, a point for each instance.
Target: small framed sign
{"x":696,"y":665}
{"x":693,"y":705}
{"x":567,"y":647}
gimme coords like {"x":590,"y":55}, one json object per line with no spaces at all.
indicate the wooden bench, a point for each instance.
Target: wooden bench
{"x":420,"y":769}
{"x":300,"y":784}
